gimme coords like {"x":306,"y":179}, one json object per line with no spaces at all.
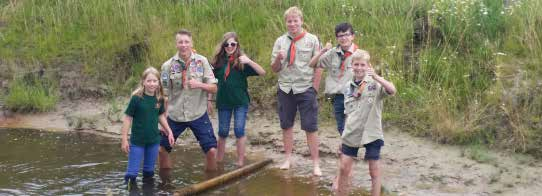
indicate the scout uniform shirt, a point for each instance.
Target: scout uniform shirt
{"x":186,"y":104}
{"x":363,"y":113}
{"x":331,"y":60}
{"x":297,"y":77}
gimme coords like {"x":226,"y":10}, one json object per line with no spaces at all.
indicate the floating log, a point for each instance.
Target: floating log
{"x":222,"y":179}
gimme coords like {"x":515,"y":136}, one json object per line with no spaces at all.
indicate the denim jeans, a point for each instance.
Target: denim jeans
{"x":147,"y":154}
{"x":224,"y":118}
{"x":338,"y":108}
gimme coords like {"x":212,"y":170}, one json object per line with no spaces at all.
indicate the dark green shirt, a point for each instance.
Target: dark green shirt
{"x":233,"y":91}
{"x":144,"y":111}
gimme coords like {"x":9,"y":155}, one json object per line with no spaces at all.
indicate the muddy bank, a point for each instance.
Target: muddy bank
{"x":411,"y":166}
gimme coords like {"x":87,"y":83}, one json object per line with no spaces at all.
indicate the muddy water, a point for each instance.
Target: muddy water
{"x":46,"y":163}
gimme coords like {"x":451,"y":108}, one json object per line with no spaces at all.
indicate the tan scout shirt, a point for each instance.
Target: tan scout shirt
{"x":363,"y":114}
{"x":186,"y":104}
{"x":331,"y":61}
{"x":299,"y":77}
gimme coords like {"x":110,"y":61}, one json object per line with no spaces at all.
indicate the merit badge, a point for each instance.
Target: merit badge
{"x":176,"y":67}
{"x":165,"y":76}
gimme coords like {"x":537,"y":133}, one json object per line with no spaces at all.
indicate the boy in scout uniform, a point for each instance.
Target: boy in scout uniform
{"x":298,"y":82}
{"x":337,"y":61}
{"x":363,"y":108}
{"x":187,"y":79}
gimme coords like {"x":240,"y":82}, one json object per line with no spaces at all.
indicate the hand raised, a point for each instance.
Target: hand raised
{"x":327,"y":47}
{"x":244,"y":59}
{"x":281,"y":55}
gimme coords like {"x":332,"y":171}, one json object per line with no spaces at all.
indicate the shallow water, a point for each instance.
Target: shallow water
{"x":74,"y":163}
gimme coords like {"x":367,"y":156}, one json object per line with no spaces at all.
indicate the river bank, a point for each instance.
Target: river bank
{"x":411,"y":166}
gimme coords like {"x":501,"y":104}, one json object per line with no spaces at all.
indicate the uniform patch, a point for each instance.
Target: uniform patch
{"x":372,"y":87}
{"x":200,"y":69}
{"x":199,"y":63}
{"x":165,"y":76}
{"x":176,"y":67}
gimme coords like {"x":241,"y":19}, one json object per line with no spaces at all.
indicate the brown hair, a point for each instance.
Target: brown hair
{"x":220,"y":57}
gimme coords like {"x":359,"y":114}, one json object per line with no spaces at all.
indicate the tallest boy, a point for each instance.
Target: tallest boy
{"x":298,"y":81}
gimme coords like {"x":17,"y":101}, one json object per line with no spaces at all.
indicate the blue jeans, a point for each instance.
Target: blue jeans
{"x":240,"y":118}
{"x":338,"y":108}
{"x":138,"y":153}
{"x":201,"y":128}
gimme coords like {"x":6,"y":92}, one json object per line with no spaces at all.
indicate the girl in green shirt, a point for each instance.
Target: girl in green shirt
{"x":231,"y":68}
{"x":144,"y":112}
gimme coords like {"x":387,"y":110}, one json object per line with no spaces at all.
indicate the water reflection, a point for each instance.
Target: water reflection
{"x":45,"y":163}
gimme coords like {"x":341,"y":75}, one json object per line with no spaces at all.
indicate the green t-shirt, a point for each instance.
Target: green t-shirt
{"x":233,"y":91}
{"x":144,"y":111}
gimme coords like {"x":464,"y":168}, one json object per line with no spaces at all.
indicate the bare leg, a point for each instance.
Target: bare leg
{"x":288,"y":139}
{"x":376,"y":181}
{"x":210,"y":160}
{"x":221,"y":149}
{"x":312,"y":140}
{"x":163,"y":159}
{"x":345,"y":170}
{"x":241,"y":150}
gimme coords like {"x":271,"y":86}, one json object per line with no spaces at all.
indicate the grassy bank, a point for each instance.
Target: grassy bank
{"x":468,"y":72}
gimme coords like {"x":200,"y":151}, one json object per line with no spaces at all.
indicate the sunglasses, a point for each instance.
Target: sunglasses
{"x":232,"y":44}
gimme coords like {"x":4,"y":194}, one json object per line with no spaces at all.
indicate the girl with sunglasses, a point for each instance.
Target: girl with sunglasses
{"x":232,"y":68}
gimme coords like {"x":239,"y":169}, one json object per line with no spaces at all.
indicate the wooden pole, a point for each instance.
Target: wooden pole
{"x":222,"y":179}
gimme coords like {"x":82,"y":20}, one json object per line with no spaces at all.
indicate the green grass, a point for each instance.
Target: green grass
{"x":467,"y":71}
{"x":29,"y":95}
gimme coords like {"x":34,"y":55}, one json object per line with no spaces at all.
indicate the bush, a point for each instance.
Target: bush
{"x":31,"y":95}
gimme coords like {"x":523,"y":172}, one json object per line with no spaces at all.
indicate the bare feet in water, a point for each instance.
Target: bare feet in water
{"x":285,"y":165}
{"x":316,"y":171}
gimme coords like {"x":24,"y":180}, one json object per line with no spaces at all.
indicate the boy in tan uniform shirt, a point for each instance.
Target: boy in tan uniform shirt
{"x":363,"y":108}
{"x":292,"y":57}
{"x":187,"y":79}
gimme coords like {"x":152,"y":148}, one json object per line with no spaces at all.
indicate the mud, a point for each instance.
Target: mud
{"x":410,"y":165}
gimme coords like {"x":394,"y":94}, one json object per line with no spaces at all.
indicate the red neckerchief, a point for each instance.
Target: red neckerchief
{"x":343,"y":60}
{"x":291,"y":51}
{"x":360,"y":89}
{"x":230,"y":62}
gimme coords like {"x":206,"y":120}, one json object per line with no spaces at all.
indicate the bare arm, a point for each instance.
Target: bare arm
{"x":126,"y":124}
{"x":314,"y":61}
{"x":317,"y":78}
{"x":209,"y":88}
{"x":245,"y":60}
{"x":388,"y":86}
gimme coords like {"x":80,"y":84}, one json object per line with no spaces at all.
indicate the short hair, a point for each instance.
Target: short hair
{"x":184,"y":32}
{"x":344,"y":27}
{"x":361,"y":55}
{"x":293,"y":11}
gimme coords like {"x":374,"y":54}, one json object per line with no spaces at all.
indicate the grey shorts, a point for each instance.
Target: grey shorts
{"x":306,"y":102}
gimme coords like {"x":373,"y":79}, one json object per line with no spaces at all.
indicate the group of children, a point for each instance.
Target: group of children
{"x":181,"y":96}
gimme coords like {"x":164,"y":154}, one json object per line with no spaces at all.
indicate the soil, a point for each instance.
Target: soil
{"x":410,"y":165}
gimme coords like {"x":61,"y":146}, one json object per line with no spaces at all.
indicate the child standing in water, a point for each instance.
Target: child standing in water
{"x":232,"y":68}
{"x":363,"y":102}
{"x":144,"y":112}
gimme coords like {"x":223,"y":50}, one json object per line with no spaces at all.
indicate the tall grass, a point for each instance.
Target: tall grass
{"x":467,"y":71}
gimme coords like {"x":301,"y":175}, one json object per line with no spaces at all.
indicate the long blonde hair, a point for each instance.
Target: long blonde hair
{"x":141,"y":88}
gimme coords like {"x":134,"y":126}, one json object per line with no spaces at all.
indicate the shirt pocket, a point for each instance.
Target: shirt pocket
{"x":304,"y":55}
{"x":196,"y":73}
{"x":176,"y":80}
